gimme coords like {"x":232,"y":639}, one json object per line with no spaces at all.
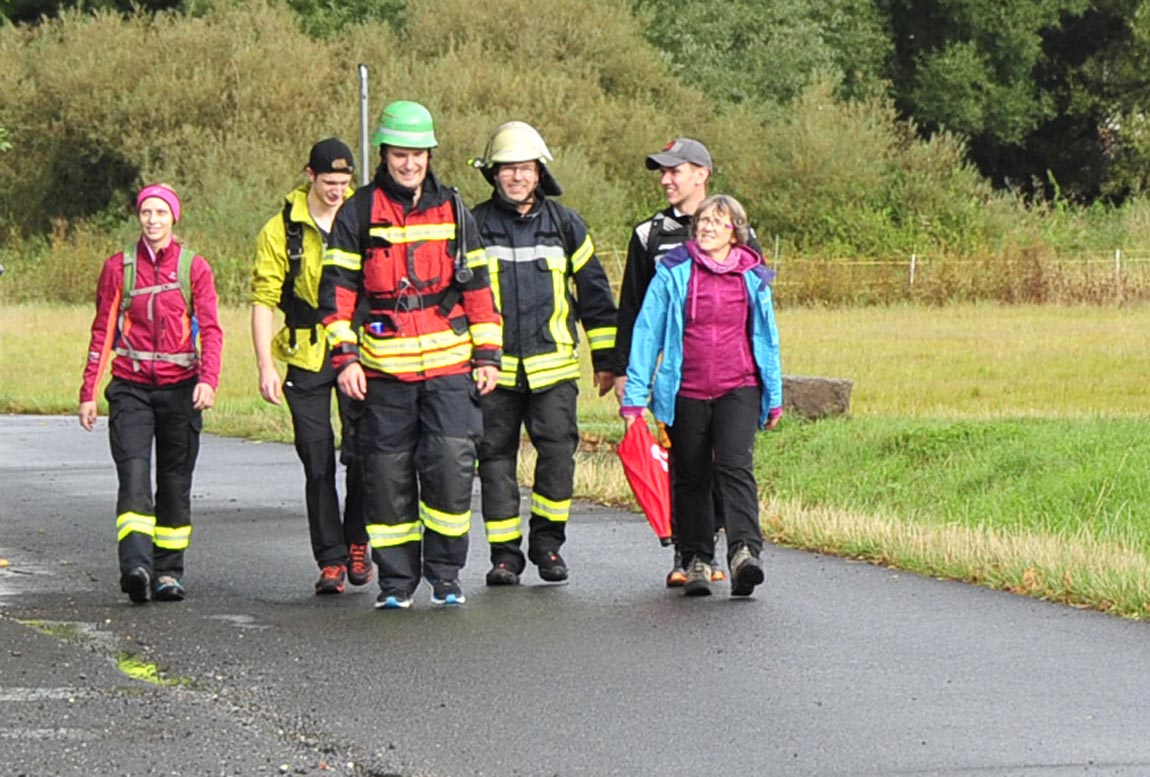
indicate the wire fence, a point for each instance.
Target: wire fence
{"x":1037,"y":276}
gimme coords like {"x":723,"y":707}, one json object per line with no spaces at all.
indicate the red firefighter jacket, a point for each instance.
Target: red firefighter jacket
{"x":391,"y":295}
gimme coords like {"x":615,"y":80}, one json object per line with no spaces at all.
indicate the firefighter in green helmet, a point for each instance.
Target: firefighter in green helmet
{"x":406,"y":302}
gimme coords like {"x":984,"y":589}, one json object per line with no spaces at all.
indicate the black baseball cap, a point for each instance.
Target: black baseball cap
{"x":331,"y":156}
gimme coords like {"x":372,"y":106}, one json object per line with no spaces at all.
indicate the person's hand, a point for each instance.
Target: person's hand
{"x":486,"y":378}
{"x":203,"y":396}
{"x":773,"y":418}
{"x":620,"y":388}
{"x":88,"y":415}
{"x":352,"y":382}
{"x":605,"y":381}
{"x":270,"y":385}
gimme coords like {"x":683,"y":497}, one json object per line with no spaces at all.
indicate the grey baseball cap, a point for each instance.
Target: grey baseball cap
{"x":678,"y":151}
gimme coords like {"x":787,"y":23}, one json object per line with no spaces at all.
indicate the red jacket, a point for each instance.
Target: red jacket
{"x":420,"y":322}
{"x":156,"y":323}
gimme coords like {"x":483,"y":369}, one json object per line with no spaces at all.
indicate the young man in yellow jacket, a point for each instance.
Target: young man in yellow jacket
{"x":289,"y":259}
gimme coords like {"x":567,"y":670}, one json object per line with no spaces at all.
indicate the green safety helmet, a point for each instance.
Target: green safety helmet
{"x":405,"y":124}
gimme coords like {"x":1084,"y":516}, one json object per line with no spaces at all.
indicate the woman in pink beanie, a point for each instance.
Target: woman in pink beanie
{"x":155,"y":303}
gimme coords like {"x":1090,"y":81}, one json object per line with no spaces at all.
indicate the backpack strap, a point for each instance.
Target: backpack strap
{"x":654,"y":236}
{"x":562,"y":217}
{"x":129,"y":291}
{"x":295,"y":310}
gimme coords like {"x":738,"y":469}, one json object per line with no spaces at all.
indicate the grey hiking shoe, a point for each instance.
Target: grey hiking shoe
{"x":746,"y":572}
{"x":698,"y":579}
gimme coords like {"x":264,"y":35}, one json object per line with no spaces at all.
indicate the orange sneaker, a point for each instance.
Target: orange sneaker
{"x":359,"y":567}
{"x":331,"y":580}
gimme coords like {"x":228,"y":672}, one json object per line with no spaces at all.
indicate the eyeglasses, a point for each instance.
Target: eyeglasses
{"x":714,"y":223}
{"x":525,"y":169}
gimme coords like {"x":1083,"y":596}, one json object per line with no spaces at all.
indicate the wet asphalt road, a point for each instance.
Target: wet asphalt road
{"x":834,"y":668}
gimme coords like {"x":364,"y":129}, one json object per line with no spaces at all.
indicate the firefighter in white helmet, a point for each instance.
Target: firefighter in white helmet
{"x":546,"y":277}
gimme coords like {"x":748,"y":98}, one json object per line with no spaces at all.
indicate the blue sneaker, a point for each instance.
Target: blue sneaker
{"x":393,"y":600}
{"x":446,"y":593}
{"x":168,"y":589}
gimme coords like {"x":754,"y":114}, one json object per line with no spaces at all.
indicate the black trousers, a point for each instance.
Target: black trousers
{"x":714,"y":444}
{"x":417,"y":442}
{"x":153,"y":531}
{"x":308,"y":396}
{"x":550,"y":417}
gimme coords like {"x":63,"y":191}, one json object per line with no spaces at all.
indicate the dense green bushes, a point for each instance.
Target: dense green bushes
{"x":224,"y":105}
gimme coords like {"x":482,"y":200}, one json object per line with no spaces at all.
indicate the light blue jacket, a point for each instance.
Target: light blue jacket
{"x":659,"y":332}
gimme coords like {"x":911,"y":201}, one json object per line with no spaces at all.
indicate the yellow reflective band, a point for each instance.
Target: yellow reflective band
{"x":496,"y":291}
{"x":582,"y":255}
{"x":173,"y":537}
{"x":415,"y":232}
{"x":541,"y":379}
{"x":552,"y":510}
{"x":447,"y":524}
{"x":348,"y":260}
{"x":339,"y":332}
{"x":601,"y":338}
{"x":400,"y":362}
{"x":508,"y":370}
{"x":560,"y":334}
{"x":476,"y":258}
{"x":126,"y":523}
{"x":388,"y":536}
{"x":504,"y":531}
{"x":486,"y":334}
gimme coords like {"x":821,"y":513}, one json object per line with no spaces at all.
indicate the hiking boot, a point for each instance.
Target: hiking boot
{"x":168,"y":589}
{"x":393,"y":600}
{"x":678,"y":575}
{"x":552,"y":568}
{"x":746,"y":572}
{"x":447,"y":592}
{"x":502,"y":574}
{"x":698,"y":581}
{"x":330,"y":579}
{"x":135,"y":583}
{"x":359,"y":568}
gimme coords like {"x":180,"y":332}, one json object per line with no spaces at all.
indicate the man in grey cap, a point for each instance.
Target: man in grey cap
{"x":685,"y":168}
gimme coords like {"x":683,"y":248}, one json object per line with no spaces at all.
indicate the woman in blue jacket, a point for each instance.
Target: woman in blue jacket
{"x":705,"y":353}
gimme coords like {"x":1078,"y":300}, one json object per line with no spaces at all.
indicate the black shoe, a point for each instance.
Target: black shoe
{"x":447,"y":592}
{"x":552,"y":568}
{"x":698,"y":579}
{"x":678,"y":575}
{"x":746,"y":572}
{"x":168,"y":589}
{"x":135,"y":583}
{"x":502,"y":574}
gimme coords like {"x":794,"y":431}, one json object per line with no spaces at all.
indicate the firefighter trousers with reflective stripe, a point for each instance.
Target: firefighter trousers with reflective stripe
{"x":308,"y":396}
{"x":550,"y":419}
{"x":153,"y":531}
{"x":417,"y":442}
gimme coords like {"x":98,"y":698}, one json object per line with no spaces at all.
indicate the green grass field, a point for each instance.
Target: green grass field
{"x":1000,"y":445}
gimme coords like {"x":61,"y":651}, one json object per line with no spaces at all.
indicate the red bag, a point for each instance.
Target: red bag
{"x":645,"y":465}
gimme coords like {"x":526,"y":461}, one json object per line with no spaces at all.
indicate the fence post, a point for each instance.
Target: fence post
{"x":913,"y":260}
{"x":776,"y":267}
{"x":1118,"y":273}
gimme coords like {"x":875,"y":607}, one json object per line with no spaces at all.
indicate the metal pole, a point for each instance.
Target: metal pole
{"x":364,"y":133}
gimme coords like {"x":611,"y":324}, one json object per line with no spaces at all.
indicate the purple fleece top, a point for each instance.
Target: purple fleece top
{"x":717,"y":355}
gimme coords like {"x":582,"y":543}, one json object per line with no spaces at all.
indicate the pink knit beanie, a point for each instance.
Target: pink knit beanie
{"x":165,"y":193}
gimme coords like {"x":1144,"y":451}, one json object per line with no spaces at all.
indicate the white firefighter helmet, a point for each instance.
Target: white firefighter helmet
{"x":517,"y":141}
